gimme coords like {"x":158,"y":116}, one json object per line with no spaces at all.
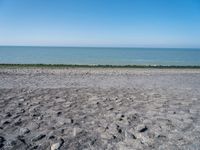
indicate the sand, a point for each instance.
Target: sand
{"x":99,"y":108}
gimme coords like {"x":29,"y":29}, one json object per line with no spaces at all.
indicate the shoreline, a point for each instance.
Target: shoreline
{"x":98,"y":66}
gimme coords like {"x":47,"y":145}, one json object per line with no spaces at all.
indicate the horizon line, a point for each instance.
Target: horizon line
{"x":73,"y":46}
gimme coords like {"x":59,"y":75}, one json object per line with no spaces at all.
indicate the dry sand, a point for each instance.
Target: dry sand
{"x":93,"y":108}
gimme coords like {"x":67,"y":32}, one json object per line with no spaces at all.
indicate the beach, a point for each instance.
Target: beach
{"x":99,"y":108}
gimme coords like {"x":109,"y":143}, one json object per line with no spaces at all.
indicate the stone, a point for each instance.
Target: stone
{"x":5,"y":122}
{"x":8,"y":114}
{"x":33,"y":126}
{"x":60,"y":100}
{"x":56,"y":146}
{"x":2,"y":139}
{"x":22,"y":139}
{"x":119,"y":129}
{"x":39,"y":137}
{"x":59,"y":113}
{"x":76,"y":130}
{"x":141,"y":128}
{"x":69,"y":121}
{"x":21,"y":100}
{"x":1,"y":145}
{"x":51,"y":137}
{"x":18,"y":122}
{"x":11,"y":143}
{"x":24,"y":131}
{"x":34,"y":147}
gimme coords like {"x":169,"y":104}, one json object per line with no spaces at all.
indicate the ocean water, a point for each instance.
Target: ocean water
{"x":99,"y":56}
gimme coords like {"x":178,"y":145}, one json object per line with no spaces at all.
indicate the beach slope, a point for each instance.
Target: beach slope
{"x":99,"y":108}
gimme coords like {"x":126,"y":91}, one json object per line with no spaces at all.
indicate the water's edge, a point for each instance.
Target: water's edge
{"x":95,"y":66}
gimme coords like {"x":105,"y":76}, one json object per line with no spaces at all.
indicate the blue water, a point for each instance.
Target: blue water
{"x":102,"y":56}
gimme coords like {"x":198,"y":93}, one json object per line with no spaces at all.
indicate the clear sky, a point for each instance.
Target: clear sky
{"x":129,"y":23}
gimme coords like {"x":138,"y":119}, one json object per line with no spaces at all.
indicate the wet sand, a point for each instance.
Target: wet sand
{"x":99,"y":108}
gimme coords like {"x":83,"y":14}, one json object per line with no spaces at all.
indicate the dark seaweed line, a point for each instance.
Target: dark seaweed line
{"x":96,"y":66}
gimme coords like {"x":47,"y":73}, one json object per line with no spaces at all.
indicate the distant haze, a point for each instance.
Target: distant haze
{"x":115,"y":23}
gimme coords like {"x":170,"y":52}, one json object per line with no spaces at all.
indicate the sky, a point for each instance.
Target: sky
{"x":115,"y":23}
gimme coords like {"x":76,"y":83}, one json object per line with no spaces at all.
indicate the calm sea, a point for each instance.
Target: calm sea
{"x":102,"y":56}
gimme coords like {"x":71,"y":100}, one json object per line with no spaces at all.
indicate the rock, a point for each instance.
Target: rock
{"x":1,"y":145}
{"x":62,"y":131}
{"x":16,"y":116}
{"x":24,"y":131}
{"x":39,"y":137}
{"x":111,"y":108}
{"x":40,"y":117}
{"x":119,"y":129}
{"x":60,"y":100}
{"x":19,"y":104}
{"x":18,"y":122}
{"x":129,"y":135}
{"x":141,"y":128}
{"x":2,"y":140}
{"x":34,"y":147}
{"x":35,"y":114}
{"x":21,"y":100}
{"x":56,"y":146}
{"x":59,"y":113}
{"x":20,"y":111}
{"x":5,"y":122}
{"x":33,"y":125}
{"x":11,"y":143}
{"x":21,"y":138}
{"x":8,"y":114}
{"x":69,"y":120}
{"x":76,"y":130}
{"x":52,"y":137}
{"x":161,"y":137}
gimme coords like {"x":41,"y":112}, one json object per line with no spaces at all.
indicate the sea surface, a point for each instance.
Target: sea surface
{"x":99,"y":56}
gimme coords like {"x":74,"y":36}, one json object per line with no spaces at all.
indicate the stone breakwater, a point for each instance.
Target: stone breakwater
{"x":99,"y":109}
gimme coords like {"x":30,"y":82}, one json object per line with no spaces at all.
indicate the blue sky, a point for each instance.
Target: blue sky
{"x":124,"y":23}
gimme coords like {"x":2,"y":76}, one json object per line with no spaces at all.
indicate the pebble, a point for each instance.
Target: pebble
{"x":52,"y":137}
{"x":76,"y":130}
{"x":40,"y":117}
{"x":24,"y":131}
{"x":21,"y":138}
{"x":56,"y":146}
{"x":141,"y":128}
{"x":2,"y":139}
{"x":21,"y":100}
{"x":34,"y":147}
{"x":11,"y":143}
{"x":69,"y":121}
{"x":6,"y":122}
{"x":60,"y":100}
{"x":39,"y":137}
{"x":119,"y":129}
{"x":18,"y":122}
{"x":8,"y":114}
{"x":59,"y":113}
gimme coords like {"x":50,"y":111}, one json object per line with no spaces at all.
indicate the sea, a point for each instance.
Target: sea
{"x":99,"y":56}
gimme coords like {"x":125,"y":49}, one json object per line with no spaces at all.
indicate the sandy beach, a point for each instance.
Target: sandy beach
{"x":99,"y":108}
